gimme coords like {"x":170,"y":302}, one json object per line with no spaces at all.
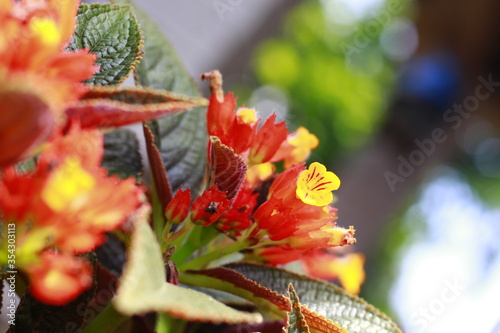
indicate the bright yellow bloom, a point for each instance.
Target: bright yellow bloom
{"x":247,"y":116}
{"x":315,"y":185}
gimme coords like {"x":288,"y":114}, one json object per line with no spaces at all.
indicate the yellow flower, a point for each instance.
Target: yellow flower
{"x":315,"y":185}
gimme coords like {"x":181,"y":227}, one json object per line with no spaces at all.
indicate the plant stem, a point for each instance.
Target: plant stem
{"x":167,"y":324}
{"x":107,"y":321}
{"x":158,"y":214}
{"x":205,"y":259}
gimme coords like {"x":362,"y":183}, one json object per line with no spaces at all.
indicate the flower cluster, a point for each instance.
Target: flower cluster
{"x":63,"y":202}
{"x":61,"y":208}
{"x":37,"y":77}
{"x":286,"y":215}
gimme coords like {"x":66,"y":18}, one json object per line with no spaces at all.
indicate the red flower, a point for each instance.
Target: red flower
{"x":209,"y":206}
{"x":178,"y":208}
{"x":238,"y":130}
{"x":304,"y":224}
{"x":267,"y":140}
{"x":221,"y":116}
{"x":58,"y":278}
{"x":277,"y":255}
{"x":238,"y":218}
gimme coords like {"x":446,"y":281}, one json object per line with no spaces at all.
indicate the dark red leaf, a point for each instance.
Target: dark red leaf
{"x":226,"y":168}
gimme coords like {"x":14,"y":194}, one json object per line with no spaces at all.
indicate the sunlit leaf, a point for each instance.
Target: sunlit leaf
{"x":326,"y":299}
{"x":112,"y":33}
{"x":226,"y":169}
{"x":143,"y":287}
{"x":183,"y":136}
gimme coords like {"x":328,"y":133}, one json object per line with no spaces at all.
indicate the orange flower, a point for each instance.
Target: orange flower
{"x":299,"y":219}
{"x":318,"y":263}
{"x":267,"y":140}
{"x":276,"y":255}
{"x":348,"y":269}
{"x":37,"y":77}
{"x":297,"y":147}
{"x":70,"y":193}
{"x":238,"y":130}
{"x":59,"y":278}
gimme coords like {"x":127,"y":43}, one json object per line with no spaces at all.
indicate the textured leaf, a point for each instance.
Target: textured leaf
{"x":121,"y":154}
{"x":328,"y":300}
{"x":162,"y":185}
{"x":269,"y":302}
{"x":226,"y":168}
{"x":183,"y":136}
{"x":112,"y":33}
{"x":143,"y":288}
{"x":296,"y":322}
{"x":111,"y":106}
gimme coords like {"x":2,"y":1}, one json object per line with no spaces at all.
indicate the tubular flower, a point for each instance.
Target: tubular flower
{"x":276,"y":255}
{"x":178,"y":208}
{"x":67,"y":201}
{"x":37,"y":77}
{"x":305,"y":226}
{"x":209,"y":206}
{"x":297,"y":147}
{"x":238,"y":218}
{"x":238,"y":130}
{"x":59,"y":278}
{"x":347,"y":269}
{"x":267,"y":140}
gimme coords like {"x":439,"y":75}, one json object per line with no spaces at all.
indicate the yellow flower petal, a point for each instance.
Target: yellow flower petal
{"x":46,"y":30}
{"x":315,"y":185}
{"x":69,"y":182}
{"x":247,"y":116}
{"x":350,"y":271}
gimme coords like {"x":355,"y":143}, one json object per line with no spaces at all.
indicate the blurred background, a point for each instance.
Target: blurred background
{"x":404,"y":97}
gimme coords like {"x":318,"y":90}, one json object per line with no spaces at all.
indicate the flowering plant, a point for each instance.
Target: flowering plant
{"x":96,"y":240}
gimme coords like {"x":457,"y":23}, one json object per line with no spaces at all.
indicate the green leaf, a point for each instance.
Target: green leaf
{"x":324,"y":298}
{"x":121,"y":154}
{"x":183,"y":136}
{"x":112,"y":33}
{"x":143,"y":288}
